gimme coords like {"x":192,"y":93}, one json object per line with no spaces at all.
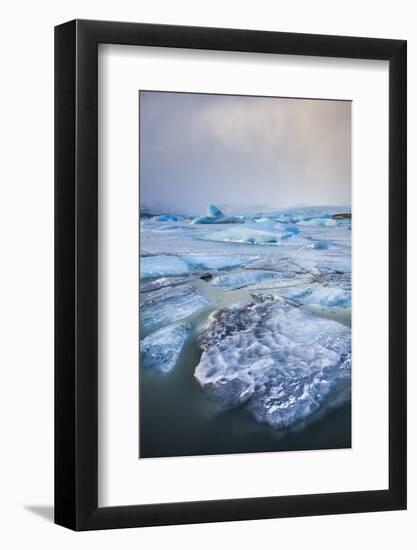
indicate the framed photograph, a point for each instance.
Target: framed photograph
{"x":230,"y":255}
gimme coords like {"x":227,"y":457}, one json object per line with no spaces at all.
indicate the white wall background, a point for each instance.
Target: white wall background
{"x":26,"y":289}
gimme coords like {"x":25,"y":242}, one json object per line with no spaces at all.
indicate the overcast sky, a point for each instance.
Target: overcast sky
{"x":242,"y":153}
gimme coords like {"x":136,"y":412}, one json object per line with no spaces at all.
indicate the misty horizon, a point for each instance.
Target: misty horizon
{"x":242,"y":153}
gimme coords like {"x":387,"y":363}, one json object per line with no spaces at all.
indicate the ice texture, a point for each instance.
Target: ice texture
{"x":249,"y":235}
{"x":213,"y":262}
{"x":323,"y":296}
{"x":160,"y":350}
{"x":170,"y":304}
{"x":321,"y":245}
{"x":273,"y":225}
{"x":296,"y":214}
{"x":240,"y":279}
{"x":163,"y":282}
{"x":162,"y":228}
{"x":277,"y":263}
{"x":162,"y":266}
{"x":342,"y":281}
{"x":284,"y":363}
{"x":215,"y":215}
{"x":165,"y":293}
{"x":322,"y":222}
{"x":168,"y":218}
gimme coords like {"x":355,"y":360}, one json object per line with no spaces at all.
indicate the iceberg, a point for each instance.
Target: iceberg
{"x":168,"y":305}
{"x":241,"y":279}
{"x":160,"y":350}
{"x":213,"y":262}
{"x":281,"y":362}
{"x":162,"y":266}
{"x":215,"y":215}
{"x":322,"y":296}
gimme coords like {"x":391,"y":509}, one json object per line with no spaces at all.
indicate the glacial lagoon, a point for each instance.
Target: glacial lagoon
{"x":245,"y":337}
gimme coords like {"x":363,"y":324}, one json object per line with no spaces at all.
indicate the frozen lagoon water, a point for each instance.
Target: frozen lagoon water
{"x":181,"y":411}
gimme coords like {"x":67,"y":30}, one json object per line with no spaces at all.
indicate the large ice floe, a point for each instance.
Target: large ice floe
{"x":162,"y":266}
{"x":215,"y":215}
{"x":160,"y":350}
{"x":282,"y":362}
{"x":170,"y":304}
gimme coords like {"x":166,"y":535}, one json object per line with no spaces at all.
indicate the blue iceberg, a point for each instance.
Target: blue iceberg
{"x":215,"y":215}
{"x":160,"y":350}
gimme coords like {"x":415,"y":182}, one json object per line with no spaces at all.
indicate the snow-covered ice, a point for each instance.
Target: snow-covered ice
{"x":160,"y":350}
{"x":285,"y":363}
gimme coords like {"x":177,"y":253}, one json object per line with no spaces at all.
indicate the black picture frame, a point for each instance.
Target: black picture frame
{"x":76,"y":272}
